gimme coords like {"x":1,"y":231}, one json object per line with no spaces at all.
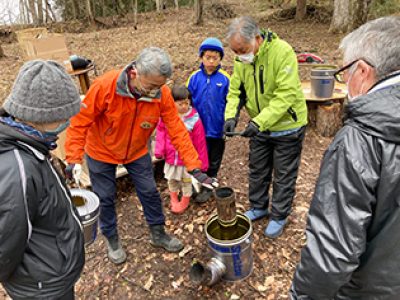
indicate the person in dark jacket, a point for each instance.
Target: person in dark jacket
{"x":41,"y":237}
{"x":353,"y":228}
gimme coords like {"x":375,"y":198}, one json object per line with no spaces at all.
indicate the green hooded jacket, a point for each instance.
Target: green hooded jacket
{"x":274,"y":97}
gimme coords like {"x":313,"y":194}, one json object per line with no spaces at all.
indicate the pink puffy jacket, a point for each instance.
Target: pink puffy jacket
{"x":164,"y":148}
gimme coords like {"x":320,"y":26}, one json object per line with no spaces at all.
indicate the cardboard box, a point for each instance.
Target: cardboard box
{"x":41,"y":45}
{"x":30,"y":33}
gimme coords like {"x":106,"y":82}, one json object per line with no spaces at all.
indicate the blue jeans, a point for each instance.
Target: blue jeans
{"x":102,"y":177}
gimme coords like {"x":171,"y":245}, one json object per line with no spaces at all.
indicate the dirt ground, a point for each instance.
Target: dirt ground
{"x":151,"y":273}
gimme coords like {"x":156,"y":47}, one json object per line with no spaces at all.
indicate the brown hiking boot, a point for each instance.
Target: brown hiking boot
{"x":159,"y":238}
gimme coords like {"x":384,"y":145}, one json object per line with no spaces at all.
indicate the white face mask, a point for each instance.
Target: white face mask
{"x":246,"y":58}
{"x":351,"y":97}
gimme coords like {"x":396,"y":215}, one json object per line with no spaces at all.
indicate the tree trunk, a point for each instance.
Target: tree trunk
{"x":89,"y":13}
{"x":50,"y":11}
{"x":40,"y":11}
{"x":121,"y":6}
{"x":32,"y":10}
{"x":47,"y":17}
{"x":74,"y":10}
{"x":22,"y":12}
{"x":348,"y":15}
{"x":198,"y":9}
{"x":176,"y":4}
{"x":103,"y":8}
{"x":340,"y":19}
{"x":158,"y":5}
{"x":359,"y":14}
{"x":301,"y":9}
{"x":135,"y":9}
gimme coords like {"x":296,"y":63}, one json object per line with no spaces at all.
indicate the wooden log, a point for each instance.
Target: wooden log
{"x":312,"y":113}
{"x":329,"y":119}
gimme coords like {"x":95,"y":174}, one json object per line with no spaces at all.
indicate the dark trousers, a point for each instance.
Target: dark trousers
{"x":215,"y":150}
{"x":280,"y":155}
{"x":102,"y":177}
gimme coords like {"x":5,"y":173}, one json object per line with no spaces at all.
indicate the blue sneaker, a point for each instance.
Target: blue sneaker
{"x":255,"y":214}
{"x":275,"y":228}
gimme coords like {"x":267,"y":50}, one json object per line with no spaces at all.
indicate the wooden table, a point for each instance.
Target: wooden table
{"x":325,"y":113}
{"x":83,"y":76}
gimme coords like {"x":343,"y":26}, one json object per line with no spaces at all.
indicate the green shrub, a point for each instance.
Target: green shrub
{"x":380,"y":8}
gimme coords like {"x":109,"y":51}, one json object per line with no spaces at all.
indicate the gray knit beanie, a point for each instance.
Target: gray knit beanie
{"x":43,"y":93}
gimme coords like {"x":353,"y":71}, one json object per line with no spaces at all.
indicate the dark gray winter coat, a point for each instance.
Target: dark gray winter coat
{"x":41,"y":239}
{"x":353,"y":229}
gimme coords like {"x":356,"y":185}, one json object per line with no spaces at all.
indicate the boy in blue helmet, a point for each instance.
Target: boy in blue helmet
{"x":209,"y":87}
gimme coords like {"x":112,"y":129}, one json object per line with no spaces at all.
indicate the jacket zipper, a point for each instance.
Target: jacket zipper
{"x":261,"y":77}
{"x":66,"y":195}
{"x":256,"y":88}
{"x":131,"y":131}
{"x":209,"y":92}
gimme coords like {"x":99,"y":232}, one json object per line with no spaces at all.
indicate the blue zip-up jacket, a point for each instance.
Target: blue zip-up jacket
{"x":209,"y":98}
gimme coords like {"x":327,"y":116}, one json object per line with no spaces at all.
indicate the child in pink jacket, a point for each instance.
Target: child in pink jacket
{"x":174,"y":170}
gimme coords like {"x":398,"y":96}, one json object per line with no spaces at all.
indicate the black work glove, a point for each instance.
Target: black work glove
{"x":229,"y":125}
{"x":251,"y":130}
{"x":203,"y":179}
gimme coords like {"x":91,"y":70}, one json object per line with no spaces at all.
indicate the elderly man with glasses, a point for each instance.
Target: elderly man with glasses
{"x":353,"y":228}
{"x":121,"y":110}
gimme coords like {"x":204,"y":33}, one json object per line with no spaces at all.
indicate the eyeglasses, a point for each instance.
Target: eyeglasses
{"x":152,"y":93}
{"x":339,"y":74}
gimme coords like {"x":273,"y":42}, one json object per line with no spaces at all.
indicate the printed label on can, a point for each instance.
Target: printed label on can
{"x":235,"y":251}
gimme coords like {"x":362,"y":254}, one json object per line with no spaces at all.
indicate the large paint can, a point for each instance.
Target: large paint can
{"x":88,"y":205}
{"x":237,"y":254}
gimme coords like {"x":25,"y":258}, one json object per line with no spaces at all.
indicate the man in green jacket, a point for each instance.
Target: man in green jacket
{"x":266,"y":77}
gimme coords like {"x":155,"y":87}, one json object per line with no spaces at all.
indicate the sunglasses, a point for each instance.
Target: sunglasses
{"x":339,"y":74}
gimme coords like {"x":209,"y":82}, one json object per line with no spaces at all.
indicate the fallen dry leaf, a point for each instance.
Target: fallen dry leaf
{"x":269,"y":280}
{"x":176,"y":284}
{"x":185,"y":251}
{"x":149,"y":283}
{"x":189,"y":227}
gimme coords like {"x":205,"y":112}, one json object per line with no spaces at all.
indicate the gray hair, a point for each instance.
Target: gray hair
{"x":154,"y":61}
{"x":245,"y":26}
{"x":378,"y":42}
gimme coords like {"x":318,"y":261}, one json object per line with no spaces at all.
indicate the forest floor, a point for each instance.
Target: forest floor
{"x":151,"y":273}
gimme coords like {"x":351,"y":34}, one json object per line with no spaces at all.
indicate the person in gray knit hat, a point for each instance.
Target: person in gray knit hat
{"x":43,"y":93}
{"x":41,"y":237}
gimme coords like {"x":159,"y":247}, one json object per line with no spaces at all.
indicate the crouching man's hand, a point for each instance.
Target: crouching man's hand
{"x":74,"y":171}
{"x":203,"y":179}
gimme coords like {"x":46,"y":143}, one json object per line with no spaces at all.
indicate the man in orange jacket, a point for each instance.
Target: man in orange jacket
{"x":119,"y":114}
